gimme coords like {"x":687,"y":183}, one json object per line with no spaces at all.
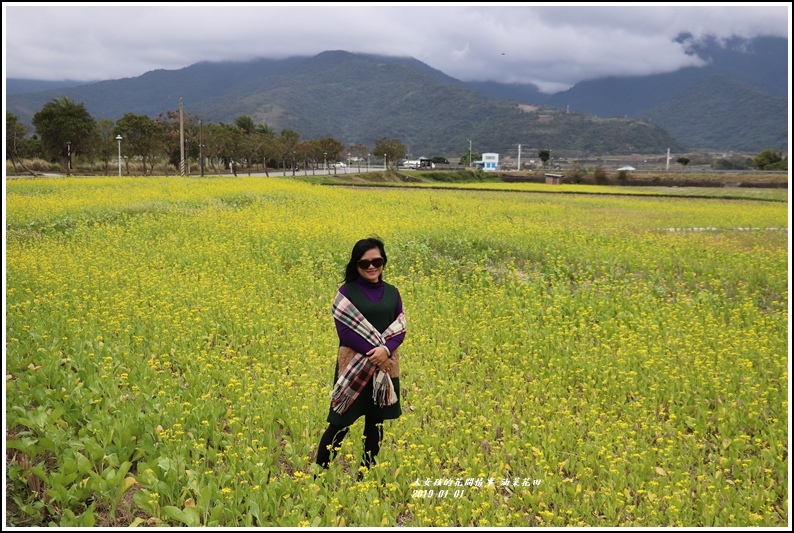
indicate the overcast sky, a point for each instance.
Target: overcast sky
{"x":553,"y":47}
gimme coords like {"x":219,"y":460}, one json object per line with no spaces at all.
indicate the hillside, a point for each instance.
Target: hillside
{"x":738,"y":101}
{"x":718,"y":107}
{"x":23,"y":86}
{"x":358,"y":98}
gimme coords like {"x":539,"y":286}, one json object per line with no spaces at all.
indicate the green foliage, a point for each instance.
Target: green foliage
{"x":683,"y":161}
{"x":286,"y":146}
{"x":393,"y":149}
{"x":141,"y":136}
{"x":328,"y":150}
{"x":151,"y":357}
{"x":18,"y":145}
{"x":733,"y":163}
{"x":780,"y":165}
{"x":245,"y":123}
{"x":461,"y":176}
{"x":544,"y":156}
{"x":468,"y":159}
{"x":15,"y":133}
{"x":769,"y":159}
{"x":63,"y":121}
{"x":264,"y":129}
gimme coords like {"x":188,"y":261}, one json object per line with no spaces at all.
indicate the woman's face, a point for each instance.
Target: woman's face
{"x":371,"y":273}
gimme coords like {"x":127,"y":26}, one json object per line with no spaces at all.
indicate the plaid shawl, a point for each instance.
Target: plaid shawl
{"x":359,"y":371}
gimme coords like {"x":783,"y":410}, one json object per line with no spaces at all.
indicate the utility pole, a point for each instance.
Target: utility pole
{"x":470,"y":152}
{"x":519,"y":157}
{"x":181,"y":141}
{"x":201,"y":150}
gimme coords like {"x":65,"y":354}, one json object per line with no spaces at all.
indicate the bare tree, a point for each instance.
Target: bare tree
{"x":15,"y":133}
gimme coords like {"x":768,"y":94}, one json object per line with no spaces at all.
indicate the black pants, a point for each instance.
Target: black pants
{"x":333,"y":436}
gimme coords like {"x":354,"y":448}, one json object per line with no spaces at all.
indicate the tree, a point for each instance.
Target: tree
{"x":329,"y":149}
{"x":465,"y":158}
{"x":228,"y":143}
{"x":392,"y":148}
{"x":214,"y":143}
{"x":142,"y":135}
{"x":248,"y":143}
{"x":683,"y":161}
{"x":359,"y":151}
{"x":600,"y":175}
{"x":63,"y":121}
{"x":169,"y":123}
{"x":286,"y":146}
{"x":264,"y":128}
{"x":780,"y":165}
{"x":264,"y":143}
{"x":768,"y":160}
{"x":15,"y":134}
{"x":303,"y":154}
{"x":245,"y":123}
{"x":544,"y":155}
{"x":108,"y":146}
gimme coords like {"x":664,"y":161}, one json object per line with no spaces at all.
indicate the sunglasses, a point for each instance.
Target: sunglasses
{"x":363,"y":264}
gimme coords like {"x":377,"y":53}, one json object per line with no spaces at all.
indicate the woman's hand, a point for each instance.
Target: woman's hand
{"x":379,"y":356}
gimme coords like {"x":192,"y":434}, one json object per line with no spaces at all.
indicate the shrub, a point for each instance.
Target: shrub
{"x":733,"y":163}
{"x":576,"y":173}
{"x":36,"y":165}
{"x":780,"y":165}
{"x":600,"y":175}
{"x":461,"y":176}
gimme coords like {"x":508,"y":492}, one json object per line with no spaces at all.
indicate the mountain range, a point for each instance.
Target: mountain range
{"x":737,"y":102}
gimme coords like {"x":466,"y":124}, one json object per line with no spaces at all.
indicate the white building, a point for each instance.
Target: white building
{"x":490,"y":162}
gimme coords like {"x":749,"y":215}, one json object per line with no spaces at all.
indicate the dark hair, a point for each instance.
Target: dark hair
{"x":359,"y":249}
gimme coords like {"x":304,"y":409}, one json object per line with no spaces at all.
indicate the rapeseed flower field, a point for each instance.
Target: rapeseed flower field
{"x":571,"y":360}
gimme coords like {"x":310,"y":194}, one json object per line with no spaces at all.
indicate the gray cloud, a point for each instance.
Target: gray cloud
{"x":553,"y":47}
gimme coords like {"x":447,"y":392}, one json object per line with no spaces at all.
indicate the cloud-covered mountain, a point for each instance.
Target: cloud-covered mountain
{"x":357,"y":98}
{"x":738,"y":101}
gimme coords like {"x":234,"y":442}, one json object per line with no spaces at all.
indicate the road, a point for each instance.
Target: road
{"x":243,"y":173}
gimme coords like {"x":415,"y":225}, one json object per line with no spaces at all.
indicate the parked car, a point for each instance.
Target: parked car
{"x":340,"y":165}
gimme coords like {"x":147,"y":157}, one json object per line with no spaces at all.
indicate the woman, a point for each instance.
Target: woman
{"x":370,"y":323}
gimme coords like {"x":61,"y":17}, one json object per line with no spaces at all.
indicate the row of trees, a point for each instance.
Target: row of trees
{"x":66,"y":130}
{"x":770,"y":160}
